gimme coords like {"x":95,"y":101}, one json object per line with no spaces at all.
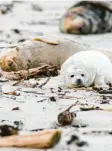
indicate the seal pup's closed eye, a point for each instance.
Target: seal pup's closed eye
{"x":87,"y":68}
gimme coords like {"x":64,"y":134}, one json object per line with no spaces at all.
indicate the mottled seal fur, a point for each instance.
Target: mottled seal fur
{"x":88,"y":17}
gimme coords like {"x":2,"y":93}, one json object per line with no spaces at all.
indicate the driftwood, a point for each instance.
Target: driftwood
{"x":44,"y":70}
{"x":42,"y":139}
{"x":40,"y":86}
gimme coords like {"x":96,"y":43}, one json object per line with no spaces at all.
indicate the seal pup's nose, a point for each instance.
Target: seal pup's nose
{"x":79,"y":81}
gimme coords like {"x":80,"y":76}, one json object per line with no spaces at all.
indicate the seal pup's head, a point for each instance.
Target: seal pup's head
{"x":76,"y":77}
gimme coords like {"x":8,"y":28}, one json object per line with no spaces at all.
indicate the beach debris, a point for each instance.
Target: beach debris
{"x":32,"y":90}
{"x":66,"y":117}
{"x":2,"y":79}
{"x":7,"y":130}
{"x":36,"y":7}
{"x":42,"y":139}
{"x":21,"y":40}
{"x":19,"y":124}
{"x":84,"y":88}
{"x":98,"y":132}
{"x":17,"y":31}
{"x":14,"y":83}
{"x":72,"y":139}
{"x":107,"y":97}
{"x":106,"y":101}
{"x":105,"y":91}
{"x":44,"y":70}
{"x":75,"y":139}
{"x":40,"y":101}
{"x":32,"y":83}
{"x":10,"y":90}
{"x":89,"y":107}
{"x":81,"y":125}
{"x":15,"y":108}
{"x":41,"y":85}
{"x":81,"y":143}
{"x":52,"y":99}
{"x":69,"y":97}
{"x":13,"y":93}
{"x":5,"y":8}
{"x":36,"y":130}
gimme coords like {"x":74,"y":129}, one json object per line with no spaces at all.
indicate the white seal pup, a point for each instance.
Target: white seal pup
{"x":87,"y":68}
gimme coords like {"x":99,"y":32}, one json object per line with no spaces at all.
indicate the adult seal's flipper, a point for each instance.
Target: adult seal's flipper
{"x":48,"y":40}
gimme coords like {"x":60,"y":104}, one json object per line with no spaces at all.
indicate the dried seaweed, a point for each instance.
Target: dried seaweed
{"x":66,"y":117}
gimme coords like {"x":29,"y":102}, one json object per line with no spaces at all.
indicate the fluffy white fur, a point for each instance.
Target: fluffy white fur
{"x":86,"y":68}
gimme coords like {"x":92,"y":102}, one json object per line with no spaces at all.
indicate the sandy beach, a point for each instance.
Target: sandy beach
{"x":34,"y":106}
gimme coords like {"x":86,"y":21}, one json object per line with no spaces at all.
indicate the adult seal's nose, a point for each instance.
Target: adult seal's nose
{"x":79,"y":81}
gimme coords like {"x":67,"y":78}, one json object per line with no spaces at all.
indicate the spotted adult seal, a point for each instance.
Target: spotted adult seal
{"x":87,"y":17}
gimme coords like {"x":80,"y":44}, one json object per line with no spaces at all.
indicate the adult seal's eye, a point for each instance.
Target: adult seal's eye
{"x":82,"y":75}
{"x":72,"y":76}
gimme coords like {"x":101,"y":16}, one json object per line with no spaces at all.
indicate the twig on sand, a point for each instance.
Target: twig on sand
{"x":84,"y":88}
{"x":74,"y":104}
{"x":40,"y":86}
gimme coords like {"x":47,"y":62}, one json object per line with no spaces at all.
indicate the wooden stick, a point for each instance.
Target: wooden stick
{"x":43,"y":139}
{"x":74,"y":104}
{"x":40,"y":86}
{"x":44,"y":70}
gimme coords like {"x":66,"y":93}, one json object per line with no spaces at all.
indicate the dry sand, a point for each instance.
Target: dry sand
{"x":37,"y":111}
